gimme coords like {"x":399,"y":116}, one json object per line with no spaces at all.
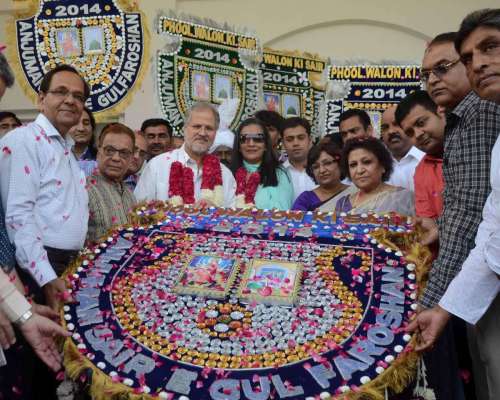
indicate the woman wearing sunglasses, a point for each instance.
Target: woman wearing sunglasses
{"x":260,"y":180}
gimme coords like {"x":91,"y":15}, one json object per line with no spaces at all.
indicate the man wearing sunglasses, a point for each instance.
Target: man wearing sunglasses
{"x":110,"y":199}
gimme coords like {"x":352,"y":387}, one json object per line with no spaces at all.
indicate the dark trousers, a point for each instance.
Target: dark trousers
{"x":41,"y":381}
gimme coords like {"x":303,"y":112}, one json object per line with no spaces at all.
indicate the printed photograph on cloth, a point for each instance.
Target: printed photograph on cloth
{"x":271,"y":282}
{"x":68,"y":42}
{"x":93,"y":40}
{"x":223,"y":88}
{"x":209,"y":276}
{"x":291,"y":106}
{"x":200,"y":89}
{"x":272,"y":101}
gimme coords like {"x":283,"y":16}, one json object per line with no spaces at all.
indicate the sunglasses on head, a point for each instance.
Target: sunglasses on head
{"x":256,"y":137}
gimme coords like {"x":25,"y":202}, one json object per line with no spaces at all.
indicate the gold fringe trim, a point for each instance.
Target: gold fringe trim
{"x":27,"y":9}
{"x":396,"y":378}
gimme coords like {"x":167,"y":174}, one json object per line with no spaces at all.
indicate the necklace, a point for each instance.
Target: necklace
{"x":330,"y":193}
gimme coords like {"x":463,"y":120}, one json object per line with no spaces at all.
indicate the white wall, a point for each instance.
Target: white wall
{"x":344,"y":30}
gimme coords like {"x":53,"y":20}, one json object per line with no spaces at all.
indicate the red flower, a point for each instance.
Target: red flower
{"x":247,"y":184}
{"x":211,"y":172}
{"x":251,"y":187}
{"x":175,"y":179}
{"x":188,"y":185}
{"x":241,"y":180}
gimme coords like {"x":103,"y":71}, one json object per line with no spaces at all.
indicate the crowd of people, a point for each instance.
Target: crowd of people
{"x":63,"y":187}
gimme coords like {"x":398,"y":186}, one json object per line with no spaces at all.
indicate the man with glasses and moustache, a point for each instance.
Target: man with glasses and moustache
{"x":471,"y":131}
{"x":472,"y":126}
{"x":473,"y":293}
{"x":42,"y":186}
{"x":109,"y":197}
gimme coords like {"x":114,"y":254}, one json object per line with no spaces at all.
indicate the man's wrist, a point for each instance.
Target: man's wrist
{"x":23,"y":318}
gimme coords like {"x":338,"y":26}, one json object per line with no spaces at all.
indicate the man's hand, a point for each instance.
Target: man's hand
{"x":7,"y":335}
{"x":39,"y":332}
{"x":56,"y":294}
{"x":45,"y":311}
{"x":431,"y":234}
{"x":429,"y":325}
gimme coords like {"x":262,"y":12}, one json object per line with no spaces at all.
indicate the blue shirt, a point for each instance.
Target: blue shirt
{"x":7,"y":260}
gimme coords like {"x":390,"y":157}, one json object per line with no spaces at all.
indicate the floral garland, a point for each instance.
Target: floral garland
{"x":181,"y":182}
{"x":246,"y":187}
{"x":211,"y":180}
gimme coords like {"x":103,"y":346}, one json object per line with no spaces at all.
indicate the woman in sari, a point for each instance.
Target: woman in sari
{"x":323,"y":165}
{"x":260,"y":180}
{"x":368,"y":164}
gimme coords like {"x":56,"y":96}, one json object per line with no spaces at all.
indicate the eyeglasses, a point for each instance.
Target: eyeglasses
{"x":439,"y":70}
{"x":110,"y":151}
{"x":64,"y":93}
{"x":256,"y":137}
{"x":326,"y":163}
{"x":140,"y":153}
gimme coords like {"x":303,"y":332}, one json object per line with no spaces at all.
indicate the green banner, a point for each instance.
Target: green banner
{"x":202,"y":63}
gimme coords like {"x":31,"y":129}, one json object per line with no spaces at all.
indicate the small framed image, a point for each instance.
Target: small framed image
{"x":272,"y":101}
{"x":208,"y":276}
{"x":376,"y":118}
{"x":223,"y":88}
{"x":291,"y":106}
{"x":68,"y":43}
{"x":271,"y":282}
{"x":200,"y":86}
{"x":93,"y":40}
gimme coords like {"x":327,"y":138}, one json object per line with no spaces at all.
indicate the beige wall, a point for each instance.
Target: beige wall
{"x":343,"y":30}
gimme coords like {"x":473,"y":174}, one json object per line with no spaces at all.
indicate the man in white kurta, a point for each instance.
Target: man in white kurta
{"x":199,"y":134}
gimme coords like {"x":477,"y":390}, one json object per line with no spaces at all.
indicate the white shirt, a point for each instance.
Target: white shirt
{"x":154,"y":181}
{"x":473,"y":290}
{"x":300,"y":179}
{"x":404,"y":169}
{"x":43,"y":195}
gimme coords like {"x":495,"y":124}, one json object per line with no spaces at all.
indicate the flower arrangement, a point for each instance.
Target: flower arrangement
{"x":246,"y":187}
{"x":211,"y":180}
{"x":181,"y":182}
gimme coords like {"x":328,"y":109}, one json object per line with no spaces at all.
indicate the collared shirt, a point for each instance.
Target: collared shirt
{"x":404,"y":169}
{"x":109,"y":204}
{"x":470,"y":134}
{"x":300,"y":179}
{"x":43,"y":194}
{"x":429,"y":186}
{"x":131,"y":180}
{"x":476,"y":286}
{"x":154,"y":181}
{"x":89,"y":167}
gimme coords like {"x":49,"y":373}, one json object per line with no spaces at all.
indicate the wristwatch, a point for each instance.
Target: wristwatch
{"x":23,"y":318}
